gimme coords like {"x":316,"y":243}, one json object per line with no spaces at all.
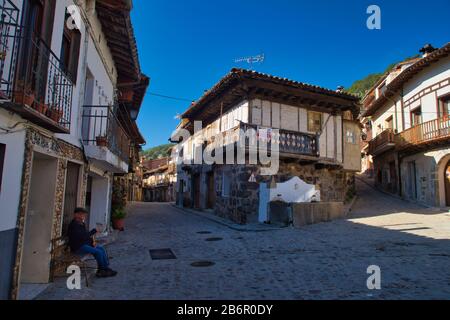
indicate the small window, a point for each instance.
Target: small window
{"x":416,"y":116}
{"x":444,"y":106}
{"x":351,"y":137}
{"x":314,"y":121}
{"x":226,"y":184}
{"x":2,"y":161}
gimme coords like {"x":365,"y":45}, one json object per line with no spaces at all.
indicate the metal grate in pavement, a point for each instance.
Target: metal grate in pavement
{"x":162,"y":254}
{"x":213,"y":239}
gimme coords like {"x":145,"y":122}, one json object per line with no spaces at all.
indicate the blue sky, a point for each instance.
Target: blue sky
{"x":187,"y":46}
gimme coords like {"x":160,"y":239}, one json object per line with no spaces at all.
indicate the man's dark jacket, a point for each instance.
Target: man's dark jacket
{"x":79,"y":236}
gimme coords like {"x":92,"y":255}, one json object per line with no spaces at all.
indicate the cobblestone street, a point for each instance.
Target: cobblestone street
{"x":325,"y":261}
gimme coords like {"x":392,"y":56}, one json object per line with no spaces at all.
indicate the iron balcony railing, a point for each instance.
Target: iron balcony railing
{"x":101,"y":127}
{"x":41,"y":82}
{"x":32,"y":75}
{"x":9,"y":42}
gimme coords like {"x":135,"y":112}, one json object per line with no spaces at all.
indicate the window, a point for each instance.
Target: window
{"x":2,"y":160}
{"x":416,"y":116}
{"x":444,"y":106}
{"x":390,"y":123}
{"x":314,"y":121}
{"x":70,"y":51}
{"x":226,"y":184}
{"x":351,"y":137}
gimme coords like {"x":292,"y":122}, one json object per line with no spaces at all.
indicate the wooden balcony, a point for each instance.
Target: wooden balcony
{"x":382,"y":143}
{"x":423,"y":136}
{"x":288,"y":143}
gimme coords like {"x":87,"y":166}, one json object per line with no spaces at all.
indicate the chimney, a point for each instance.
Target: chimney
{"x":426,"y":50}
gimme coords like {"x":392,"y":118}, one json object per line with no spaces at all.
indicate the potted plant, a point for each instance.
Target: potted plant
{"x":55,"y":114}
{"x":118,"y":219}
{"x":24,"y":95}
{"x":101,"y":141}
{"x":118,"y":205}
{"x":41,"y":107}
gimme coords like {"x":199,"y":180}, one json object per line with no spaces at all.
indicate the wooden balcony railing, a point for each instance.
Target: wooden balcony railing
{"x":287,"y":142}
{"x":101,"y":127}
{"x":383,"y":142}
{"x":427,"y":132}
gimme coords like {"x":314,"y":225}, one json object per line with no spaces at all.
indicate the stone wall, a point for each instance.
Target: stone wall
{"x":243,"y":203}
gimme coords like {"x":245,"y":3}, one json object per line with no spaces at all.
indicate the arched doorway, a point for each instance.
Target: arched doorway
{"x":447,"y":183}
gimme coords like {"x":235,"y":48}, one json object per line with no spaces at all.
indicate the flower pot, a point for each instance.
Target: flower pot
{"x":101,"y":141}
{"x":55,"y":114}
{"x":41,"y":107}
{"x":118,"y":224}
{"x":24,"y":98}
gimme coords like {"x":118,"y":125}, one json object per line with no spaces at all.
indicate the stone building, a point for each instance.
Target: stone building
{"x":160,"y":178}
{"x":314,"y":129}
{"x":408,"y":112}
{"x":70,"y":94}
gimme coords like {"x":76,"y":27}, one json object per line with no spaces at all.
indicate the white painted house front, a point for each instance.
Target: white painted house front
{"x":62,"y":136}
{"x":409,"y":113}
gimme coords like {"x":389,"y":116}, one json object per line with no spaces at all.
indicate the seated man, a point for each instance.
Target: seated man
{"x":81,"y":242}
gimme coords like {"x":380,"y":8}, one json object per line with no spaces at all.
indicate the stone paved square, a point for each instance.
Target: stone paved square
{"x":326,"y":261}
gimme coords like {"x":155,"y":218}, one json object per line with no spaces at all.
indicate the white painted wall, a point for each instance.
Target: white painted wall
{"x":12,"y":170}
{"x":429,"y":77}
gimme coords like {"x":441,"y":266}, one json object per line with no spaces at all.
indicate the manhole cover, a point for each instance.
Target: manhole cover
{"x":202,"y":264}
{"x":204,"y":232}
{"x":214,"y":239}
{"x":162,"y":254}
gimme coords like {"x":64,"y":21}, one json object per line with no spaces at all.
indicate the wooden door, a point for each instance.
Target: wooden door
{"x":70,"y":194}
{"x":447,"y":184}
{"x":196,"y":191}
{"x":211,"y":191}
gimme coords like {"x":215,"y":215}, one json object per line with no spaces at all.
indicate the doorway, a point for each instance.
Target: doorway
{"x":447,"y":184}
{"x":196,"y":191}
{"x":211,"y":199}
{"x":36,"y":257}
{"x":98,"y":205}
{"x":70,"y":194}
{"x":412,"y":181}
